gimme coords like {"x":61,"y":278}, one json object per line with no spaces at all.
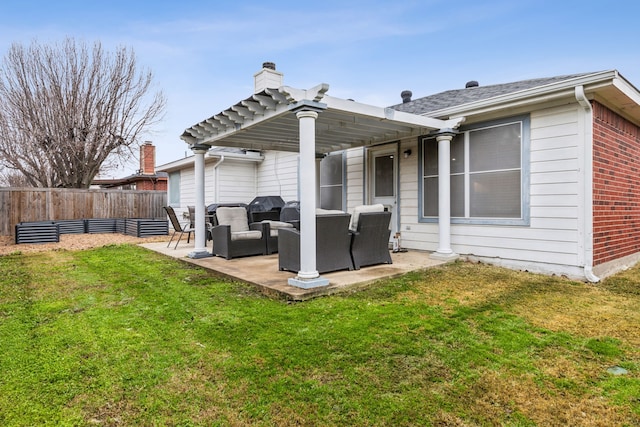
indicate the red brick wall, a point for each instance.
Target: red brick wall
{"x":147,"y":184}
{"x":616,"y":186}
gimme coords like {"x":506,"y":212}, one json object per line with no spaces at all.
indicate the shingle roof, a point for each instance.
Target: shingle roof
{"x":452,"y":98}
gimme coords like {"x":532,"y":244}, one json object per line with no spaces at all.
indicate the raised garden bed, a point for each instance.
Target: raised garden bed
{"x":146,"y":227}
{"x":49,"y":231}
{"x":37,"y":232}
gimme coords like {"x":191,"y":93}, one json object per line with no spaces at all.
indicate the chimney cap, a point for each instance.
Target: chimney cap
{"x":471,"y":83}
{"x":269,"y":65}
{"x":406,"y":96}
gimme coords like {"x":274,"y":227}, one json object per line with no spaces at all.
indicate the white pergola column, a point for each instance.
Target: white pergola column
{"x":200,"y":250}
{"x":308,"y":276}
{"x":444,"y":251}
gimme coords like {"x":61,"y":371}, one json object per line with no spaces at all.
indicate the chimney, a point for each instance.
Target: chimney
{"x":147,"y":158}
{"x":268,"y":77}
{"x":406,"y":96}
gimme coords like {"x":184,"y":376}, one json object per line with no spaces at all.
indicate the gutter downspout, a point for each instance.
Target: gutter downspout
{"x":587,"y":234}
{"x":216,"y":176}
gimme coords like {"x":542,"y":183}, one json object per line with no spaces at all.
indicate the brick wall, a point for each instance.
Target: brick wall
{"x":616,"y":186}
{"x":155,"y":184}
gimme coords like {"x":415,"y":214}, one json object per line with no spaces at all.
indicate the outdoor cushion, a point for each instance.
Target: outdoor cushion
{"x":236,"y":217}
{"x":274,"y":226}
{"x":328,"y":211}
{"x":278,"y":224}
{"x":246,"y":235}
{"x":353,"y":226}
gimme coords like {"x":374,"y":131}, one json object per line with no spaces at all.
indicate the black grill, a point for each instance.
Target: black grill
{"x":265,"y":207}
{"x":290,"y":211}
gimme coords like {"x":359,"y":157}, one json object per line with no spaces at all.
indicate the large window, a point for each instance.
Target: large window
{"x":174,"y":188}
{"x":488,"y":175}
{"x":331,"y":182}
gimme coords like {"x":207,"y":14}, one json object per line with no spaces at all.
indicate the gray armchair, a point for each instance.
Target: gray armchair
{"x":332,"y":245}
{"x":370,"y":237}
{"x":234,"y":237}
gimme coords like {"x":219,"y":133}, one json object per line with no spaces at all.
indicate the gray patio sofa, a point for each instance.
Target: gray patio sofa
{"x":332,"y":245}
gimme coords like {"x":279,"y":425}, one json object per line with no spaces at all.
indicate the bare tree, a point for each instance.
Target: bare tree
{"x":13,"y":179}
{"x":68,"y":112}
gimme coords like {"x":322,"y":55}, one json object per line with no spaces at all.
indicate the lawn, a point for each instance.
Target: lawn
{"x":120,"y":335}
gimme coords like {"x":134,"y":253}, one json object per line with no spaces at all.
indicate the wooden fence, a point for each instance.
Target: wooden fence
{"x":47,"y":204}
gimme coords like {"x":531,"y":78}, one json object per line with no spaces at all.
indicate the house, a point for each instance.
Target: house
{"x":145,"y":178}
{"x":539,"y":175}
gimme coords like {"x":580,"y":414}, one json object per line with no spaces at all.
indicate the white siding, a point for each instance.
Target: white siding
{"x":552,"y":239}
{"x":187,"y":190}
{"x":278,"y":175}
{"x":237,"y":182}
{"x":355,"y":178}
{"x":414,"y":235}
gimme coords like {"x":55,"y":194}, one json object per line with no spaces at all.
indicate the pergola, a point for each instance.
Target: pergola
{"x":311,"y":123}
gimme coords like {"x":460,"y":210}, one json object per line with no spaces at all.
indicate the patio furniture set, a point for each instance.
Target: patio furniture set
{"x":344,"y":241}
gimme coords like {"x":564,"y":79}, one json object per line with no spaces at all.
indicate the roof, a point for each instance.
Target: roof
{"x":115,"y":182}
{"x":267,"y":120}
{"x":457,"y":97}
{"x":214,"y":154}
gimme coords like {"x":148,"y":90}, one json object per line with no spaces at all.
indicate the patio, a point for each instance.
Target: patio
{"x":262,"y":271}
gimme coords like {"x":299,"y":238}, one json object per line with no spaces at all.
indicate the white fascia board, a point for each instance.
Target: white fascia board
{"x":189,"y":161}
{"x":176,"y":164}
{"x":627,"y":89}
{"x":548,"y":92}
{"x":235,"y":156}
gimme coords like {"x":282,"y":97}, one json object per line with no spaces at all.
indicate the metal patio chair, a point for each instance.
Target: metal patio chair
{"x":177,"y":227}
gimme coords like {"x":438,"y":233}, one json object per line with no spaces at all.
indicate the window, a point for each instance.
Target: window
{"x":488,"y":180}
{"x":331,"y":182}
{"x":174,"y":188}
{"x":384,"y":176}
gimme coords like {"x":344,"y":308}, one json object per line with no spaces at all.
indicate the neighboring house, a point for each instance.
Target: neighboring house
{"x":542,"y":174}
{"x":146,"y":178}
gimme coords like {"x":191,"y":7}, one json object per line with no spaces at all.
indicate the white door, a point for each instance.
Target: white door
{"x":383,"y":181}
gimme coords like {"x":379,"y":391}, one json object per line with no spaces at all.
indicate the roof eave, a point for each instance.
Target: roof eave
{"x":545,"y":93}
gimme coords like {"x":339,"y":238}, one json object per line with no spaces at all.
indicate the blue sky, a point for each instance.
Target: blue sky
{"x":204,"y":53}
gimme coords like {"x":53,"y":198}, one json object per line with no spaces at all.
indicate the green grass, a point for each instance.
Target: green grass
{"x":124,"y":336}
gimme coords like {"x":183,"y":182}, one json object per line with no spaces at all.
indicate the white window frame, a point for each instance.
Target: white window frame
{"x":524,"y":219}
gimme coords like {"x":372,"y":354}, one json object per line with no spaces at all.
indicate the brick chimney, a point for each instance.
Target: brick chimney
{"x":147,"y":158}
{"x":268,"y":77}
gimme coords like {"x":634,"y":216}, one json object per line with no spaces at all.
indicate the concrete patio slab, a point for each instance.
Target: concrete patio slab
{"x":262,"y":271}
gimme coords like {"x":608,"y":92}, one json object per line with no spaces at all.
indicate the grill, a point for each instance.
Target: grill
{"x":265,"y":207}
{"x":290,"y":211}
